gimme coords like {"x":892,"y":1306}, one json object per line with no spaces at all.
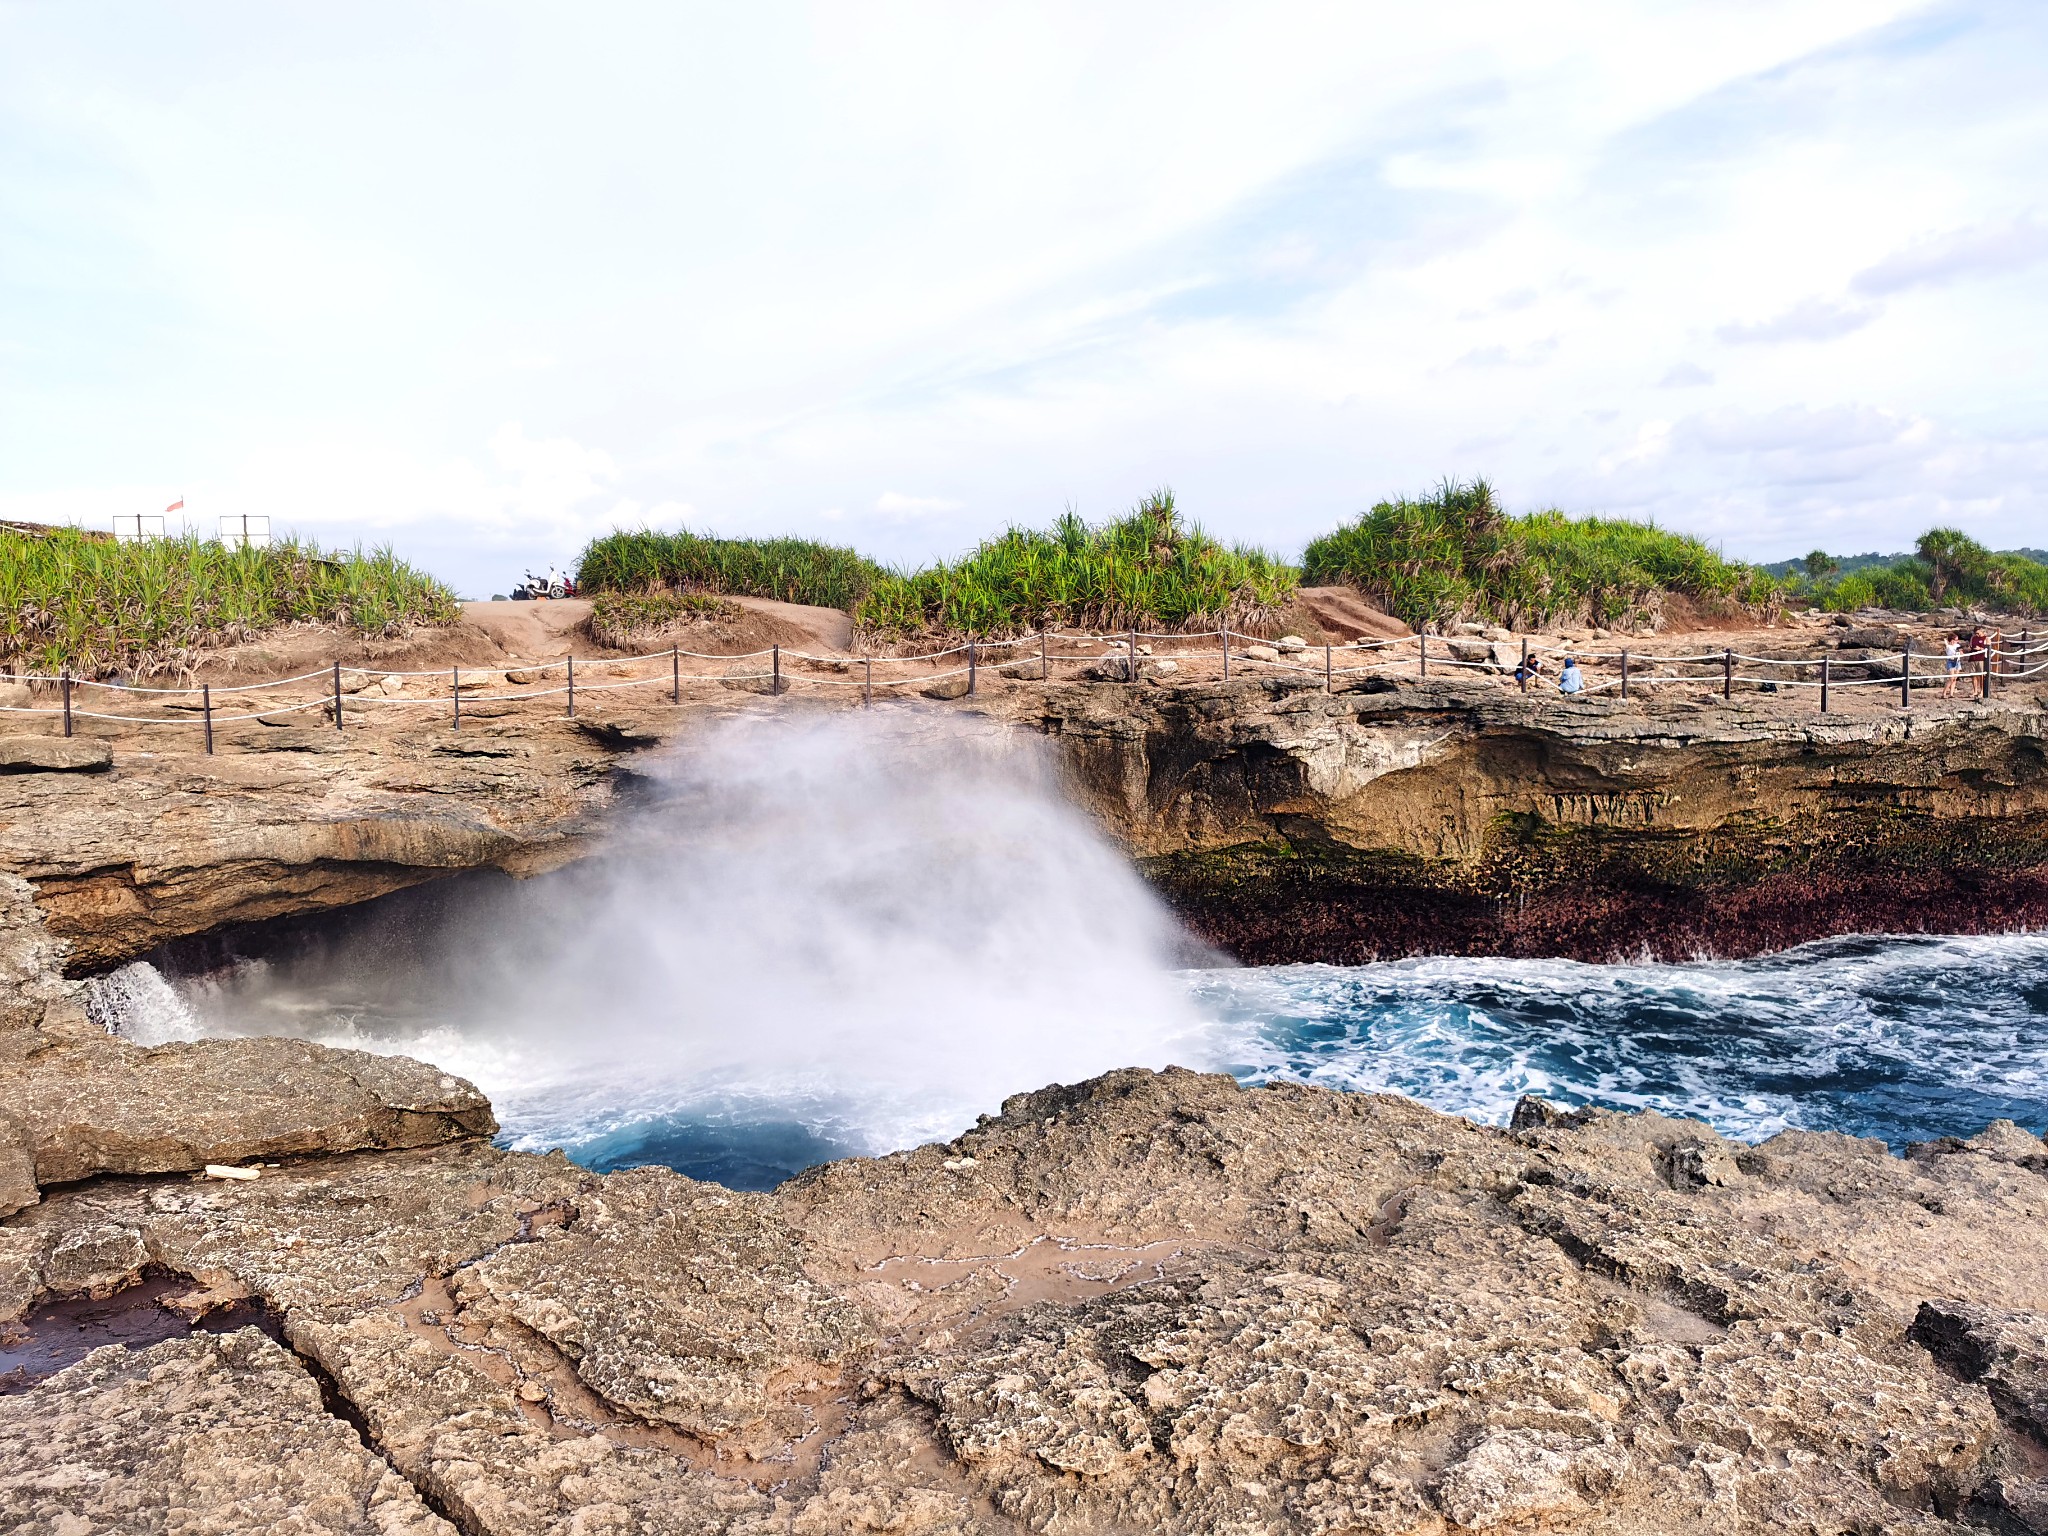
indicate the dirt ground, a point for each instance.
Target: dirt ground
{"x":509,"y":661}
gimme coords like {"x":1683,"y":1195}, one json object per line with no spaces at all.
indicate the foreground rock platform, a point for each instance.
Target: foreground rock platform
{"x":1154,"y":1301}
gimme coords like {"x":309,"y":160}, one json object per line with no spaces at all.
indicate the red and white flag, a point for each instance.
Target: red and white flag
{"x":176,"y":506}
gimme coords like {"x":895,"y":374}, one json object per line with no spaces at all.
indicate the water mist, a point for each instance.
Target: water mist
{"x":841,"y":933}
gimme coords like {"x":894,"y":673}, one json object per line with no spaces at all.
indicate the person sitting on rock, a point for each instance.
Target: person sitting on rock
{"x":1571,"y":680}
{"x":1530,"y":669}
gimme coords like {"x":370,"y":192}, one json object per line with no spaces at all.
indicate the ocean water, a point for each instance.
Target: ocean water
{"x":1902,"y":1038}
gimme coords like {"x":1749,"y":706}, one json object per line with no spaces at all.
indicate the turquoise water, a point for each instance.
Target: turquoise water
{"x":1904,"y":1039}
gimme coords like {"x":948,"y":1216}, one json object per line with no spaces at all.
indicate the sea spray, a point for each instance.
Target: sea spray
{"x":855,"y":931}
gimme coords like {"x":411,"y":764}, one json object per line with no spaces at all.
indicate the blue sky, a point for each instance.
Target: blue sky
{"x":485,"y":280}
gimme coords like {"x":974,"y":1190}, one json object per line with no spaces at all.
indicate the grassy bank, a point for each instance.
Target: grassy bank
{"x":1948,"y":569}
{"x":1145,"y":570}
{"x":95,"y":605}
{"x":625,"y":619}
{"x":787,"y":570}
{"x":1455,"y":555}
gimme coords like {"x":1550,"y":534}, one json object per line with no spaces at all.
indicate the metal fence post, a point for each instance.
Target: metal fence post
{"x":1044,"y":659}
{"x":675,"y":675}
{"x":970,"y":665}
{"x":867,"y":690}
{"x":64,"y":680}
{"x":1326,"y":668}
{"x":337,"y":695}
{"x":455,"y":687}
{"x":572,"y":687}
{"x":1226,"y":653}
{"x":206,"y":710}
{"x":1422,"y":653}
{"x":775,"y":679}
{"x":1624,"y":674}
{"x":1824,"y":685}
{"x":1727,"y":672}
{"x":1134,"y":654}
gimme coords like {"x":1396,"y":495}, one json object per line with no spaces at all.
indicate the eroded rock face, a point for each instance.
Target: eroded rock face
{"x":83,"y":1103}
{"x":1152,"y":1302}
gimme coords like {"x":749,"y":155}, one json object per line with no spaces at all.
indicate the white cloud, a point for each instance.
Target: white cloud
{"x":734,"y":267}
{"x":1808,"y":320}
{"x":1981,"y":250}
{"x":892,"y":504}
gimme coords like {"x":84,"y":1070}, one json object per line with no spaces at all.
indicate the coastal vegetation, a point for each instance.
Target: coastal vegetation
{"x":1454,"y":554}
{"x":1947,"y":569}
{"x":644,"y":562}
{"x":1146,"y":570}
{"x":622,"y":619}
{"x":70,"y":598}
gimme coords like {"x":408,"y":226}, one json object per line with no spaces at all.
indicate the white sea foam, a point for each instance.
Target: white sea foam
{"x":883,"y":923}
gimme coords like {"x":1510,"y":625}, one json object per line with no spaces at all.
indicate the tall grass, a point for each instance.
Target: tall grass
{"x":788,"y":570}
{"x":1455,"y":555}
{"x":1146,"y":570}
{"x":95,"y":605}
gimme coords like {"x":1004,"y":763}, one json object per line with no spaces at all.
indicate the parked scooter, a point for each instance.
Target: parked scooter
{"x":536,"y":589}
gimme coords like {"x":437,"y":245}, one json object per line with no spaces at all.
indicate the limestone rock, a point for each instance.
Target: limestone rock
{"x":54,"y":754}
{"x":205,"y":1433}
{"x":82,"y":1106}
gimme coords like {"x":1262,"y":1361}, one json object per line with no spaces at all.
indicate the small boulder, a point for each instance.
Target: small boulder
{"x":1293,"y":643}
{"x":1261,"y":653}
{"x":946,"y":688}
{"x":1164,"y":666}
{"x":53,"y":754}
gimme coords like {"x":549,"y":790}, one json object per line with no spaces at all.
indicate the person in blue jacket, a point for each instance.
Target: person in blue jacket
{"x":1571,"y":680}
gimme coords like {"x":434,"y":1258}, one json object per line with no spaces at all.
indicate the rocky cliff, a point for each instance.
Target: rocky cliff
{"x":1284,"y":823}
{"x":1150,"y":1302}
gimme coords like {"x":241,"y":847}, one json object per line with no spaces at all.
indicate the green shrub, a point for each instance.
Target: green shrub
{"x":1455,"y":555}
{"x":618,"y":619}
{"x":1145,"y":570}
{"x":787,"y":570}
{"x":69,"y":599}
{"x":1950,"y":570}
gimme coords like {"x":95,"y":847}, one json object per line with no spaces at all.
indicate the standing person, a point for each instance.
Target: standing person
{"x":1980,"y":654}
{"x":1951,"y":664}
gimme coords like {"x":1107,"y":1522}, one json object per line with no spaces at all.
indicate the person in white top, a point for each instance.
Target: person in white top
{"x":1952,"y":664}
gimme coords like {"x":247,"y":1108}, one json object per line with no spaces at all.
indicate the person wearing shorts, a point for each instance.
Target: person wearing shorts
{"x":1952,"y":663}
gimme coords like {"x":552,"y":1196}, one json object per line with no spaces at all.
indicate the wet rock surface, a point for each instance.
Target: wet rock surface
{"x":1148,"y":1302}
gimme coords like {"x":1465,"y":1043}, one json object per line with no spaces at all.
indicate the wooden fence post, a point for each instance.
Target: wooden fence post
{"x":572,"y":687}
{"x":1522,"y":672}
{"x":1226,"y":653}
{"x":1824,"y":685}
{"x":1044,"y":658}
{"x":775,"y":678}
{"x":64,"y":681}
{"x":1134,"y":653}
{"x":1326,"y":668}
{"x":206,"y":710}
{"x":455,"y":683}
{"x":337,"y":695}
{"x":1727,"y":672}
{"x":867,"y":691}
{"x":1624,"y":674}
{"x":970,"y":666}
{"x":1906,"y":676}
{"x":1422,"y":653}
{"x":675,"y":675}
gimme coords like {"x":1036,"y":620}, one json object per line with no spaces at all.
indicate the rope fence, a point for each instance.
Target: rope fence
{"x":1976,"y":672}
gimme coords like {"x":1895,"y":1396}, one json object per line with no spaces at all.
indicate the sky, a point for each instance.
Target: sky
{"x":484,"y":281}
